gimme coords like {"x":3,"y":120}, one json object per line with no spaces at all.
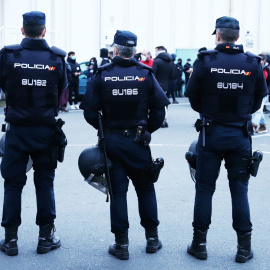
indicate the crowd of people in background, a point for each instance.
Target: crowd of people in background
{"x":168,"y":73}
{"x":171,"y":75}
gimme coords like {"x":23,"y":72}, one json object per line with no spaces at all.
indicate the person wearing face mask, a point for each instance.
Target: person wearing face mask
{"x":92,"y":69}
{"x":74,"y":71}
{"x":146,"y":58}
{"x":187,"y":70}
{"x":179,"y":78}
{"x":227,"y":85}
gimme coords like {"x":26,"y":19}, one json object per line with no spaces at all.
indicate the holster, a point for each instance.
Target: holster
{"x":152,"y":173}
{"x":208,"y":126}
{"x":248,"y":129}
{"x":142,"y":136}
{"x":255,"y":162}
{"x":59,"y":142}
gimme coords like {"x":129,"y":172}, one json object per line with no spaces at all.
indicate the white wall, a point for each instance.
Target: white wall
{"x":85,"y":26}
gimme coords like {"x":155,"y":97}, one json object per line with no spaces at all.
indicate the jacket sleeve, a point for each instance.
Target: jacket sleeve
{"x":193,"y":88}
{"x":158,"y":101}
{"x":185,"y":68}
{"x":261,"y":90}
{"x":91,"y":102}
{"x":69,"y":73}
{"x":155,"y":67}
{"x":63,"y":81}
{"x":173,"y":71}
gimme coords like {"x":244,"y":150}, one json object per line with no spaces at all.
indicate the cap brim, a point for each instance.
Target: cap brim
{"x":214,"y":32}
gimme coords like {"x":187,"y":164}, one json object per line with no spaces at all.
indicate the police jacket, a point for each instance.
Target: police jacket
{"x":32,"y":75}
{"x":74,"y":67}
{"x":227,"y":84}
{"x":128,"y":94}
{"x":163,"y":69}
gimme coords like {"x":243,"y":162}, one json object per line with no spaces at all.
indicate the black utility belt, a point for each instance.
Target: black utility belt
{"x":140,"y":134}
{"x":208,"y":124}
{"x":125,"y":132}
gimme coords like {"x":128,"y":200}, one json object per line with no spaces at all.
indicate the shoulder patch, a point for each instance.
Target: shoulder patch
{"x":144,"y":66}
{"x":14,"y":47}
{"x":251,"y":55}
{"x":210,"y":52}
{"x":57,"y":51}
{"x":108,"y":67}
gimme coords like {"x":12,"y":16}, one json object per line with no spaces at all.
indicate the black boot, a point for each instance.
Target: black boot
{"x":198,"y":245}
{"x":153,"y":244}
{"x":47,"y":241}
{"x":244,"y":251}
{"x":9,"y":244}
{"x":120,"y":248}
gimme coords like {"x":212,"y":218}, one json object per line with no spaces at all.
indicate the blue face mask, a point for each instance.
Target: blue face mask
{"x":73,"y":57}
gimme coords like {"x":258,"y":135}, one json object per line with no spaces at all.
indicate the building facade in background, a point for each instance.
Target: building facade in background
{"x":182,"y":26}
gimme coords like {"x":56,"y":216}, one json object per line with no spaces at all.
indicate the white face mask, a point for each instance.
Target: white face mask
{"x":143,"y":57}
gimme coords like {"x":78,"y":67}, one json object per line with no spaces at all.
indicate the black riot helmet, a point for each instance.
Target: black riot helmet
{"x":91,"y":161}
{"x":92,"y":167}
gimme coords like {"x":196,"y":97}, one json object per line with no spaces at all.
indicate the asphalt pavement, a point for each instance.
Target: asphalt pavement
{"x":83,"y":218}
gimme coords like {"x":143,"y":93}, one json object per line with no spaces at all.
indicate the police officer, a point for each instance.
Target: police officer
{"x":129,"y":96}
{"x":32,"y":75}
{"x":226,"y":87}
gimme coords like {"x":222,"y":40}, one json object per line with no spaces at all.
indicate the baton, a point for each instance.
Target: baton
{"x":103,"y":149}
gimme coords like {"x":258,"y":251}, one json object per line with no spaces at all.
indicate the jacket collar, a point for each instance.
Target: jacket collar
{"x":34,"y":44}
{"x":230,"y":48}
{"x":124,"y":62}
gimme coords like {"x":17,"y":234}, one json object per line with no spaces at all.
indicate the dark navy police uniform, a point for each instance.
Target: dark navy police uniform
{"x":129,"y":96}
{"x":226,"y":87}
{"x":32,"y":75}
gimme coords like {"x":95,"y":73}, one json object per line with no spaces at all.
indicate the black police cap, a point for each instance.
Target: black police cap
{"x":34,"y":18}
{"x":125,"y":38}
{"x":227,"y":22}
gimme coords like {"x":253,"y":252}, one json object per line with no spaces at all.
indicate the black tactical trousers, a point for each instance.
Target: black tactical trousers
{"x":20,"y":143}
{"x":129,"y":158}
{"x":232,"y":145}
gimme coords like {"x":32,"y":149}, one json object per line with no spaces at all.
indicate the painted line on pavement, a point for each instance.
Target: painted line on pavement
{"x":261,"y":135}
